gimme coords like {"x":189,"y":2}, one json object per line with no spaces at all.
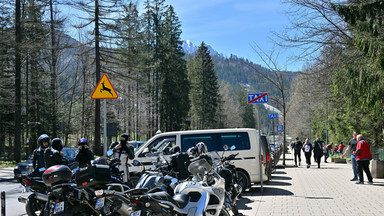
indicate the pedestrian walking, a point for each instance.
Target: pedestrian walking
{"x":307,"y":152}
{"x":297,"y":146}
{"x":318,"y":146}
{"x":363,"y":157}
{"x":352,"y":147}
{"x":327,"y":150}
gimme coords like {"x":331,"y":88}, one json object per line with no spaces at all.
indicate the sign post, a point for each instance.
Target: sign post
{"x":104,"y":90}
{"x":273,"y":116}
{"x":259,"y":98}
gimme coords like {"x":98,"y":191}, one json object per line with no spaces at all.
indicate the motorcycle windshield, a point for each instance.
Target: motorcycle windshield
{"x":199,"y":167}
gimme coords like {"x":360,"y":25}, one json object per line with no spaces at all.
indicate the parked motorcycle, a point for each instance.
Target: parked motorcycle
{"x":232,"y":187}
{"x":36,"y":201}
{"x":204,"y":194}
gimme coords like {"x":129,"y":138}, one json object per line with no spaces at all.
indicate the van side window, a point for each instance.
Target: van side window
{"x":216,"y":141}
{"x":157,"y":143}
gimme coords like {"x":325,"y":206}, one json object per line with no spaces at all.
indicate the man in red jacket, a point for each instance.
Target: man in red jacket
{"x":363,"y":157}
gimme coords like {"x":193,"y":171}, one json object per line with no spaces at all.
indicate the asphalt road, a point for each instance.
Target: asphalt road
{"x":13,"y":190}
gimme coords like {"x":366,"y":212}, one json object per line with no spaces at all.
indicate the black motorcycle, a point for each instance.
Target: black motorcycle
{"x":232,"y":187}
{"x":36,"y":201}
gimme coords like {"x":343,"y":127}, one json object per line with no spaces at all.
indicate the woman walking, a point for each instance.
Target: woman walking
{"x":307,"y":148}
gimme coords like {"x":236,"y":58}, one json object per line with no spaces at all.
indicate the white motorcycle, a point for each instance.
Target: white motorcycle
{"x":204,"y":194}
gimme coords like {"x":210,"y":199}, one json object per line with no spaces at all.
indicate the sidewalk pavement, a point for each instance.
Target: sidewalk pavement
{"x":314,"y":191}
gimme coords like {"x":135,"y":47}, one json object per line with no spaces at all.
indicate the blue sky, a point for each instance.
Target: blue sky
{"x":234,"y":26}
{"x":230,"y":26}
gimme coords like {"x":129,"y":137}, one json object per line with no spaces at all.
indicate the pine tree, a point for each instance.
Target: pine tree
{"x":204,"y":90}
{"x":246,"y":110}
{"x":174,"y":101}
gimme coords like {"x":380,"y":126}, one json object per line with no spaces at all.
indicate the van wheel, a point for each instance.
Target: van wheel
{"x":242,"y":180}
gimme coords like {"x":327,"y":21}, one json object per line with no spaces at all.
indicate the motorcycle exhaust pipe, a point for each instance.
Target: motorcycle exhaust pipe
{"x":22,"y":199}
{"x":42,"y":197}
{"x":124,"y":209}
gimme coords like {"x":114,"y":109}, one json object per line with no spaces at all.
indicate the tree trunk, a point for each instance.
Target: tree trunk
{"x":53,"y":73}
{"x":97,"y":148}
{"x":17,"y":155}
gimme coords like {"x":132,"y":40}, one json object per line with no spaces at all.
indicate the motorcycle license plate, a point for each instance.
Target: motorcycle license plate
{"x":136,"y":213}
{"x":59,"y":207}
{"x":100,"y":203}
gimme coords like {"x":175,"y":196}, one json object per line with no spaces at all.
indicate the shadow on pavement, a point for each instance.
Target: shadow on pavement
{"x":306,"y":197}
{"x":279,"y":172}
{"x":242,"y":203}
{"x":278,"y":183}
{"x":8,"y":180}
{"x":281,"y":178}
{"x":269,"y":191}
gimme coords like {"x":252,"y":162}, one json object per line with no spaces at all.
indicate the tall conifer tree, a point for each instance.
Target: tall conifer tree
{"x":174,"y":101}
{"x":204,"y":90}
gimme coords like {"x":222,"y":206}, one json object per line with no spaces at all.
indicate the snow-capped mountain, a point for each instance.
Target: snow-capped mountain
{"x":191,"y":48}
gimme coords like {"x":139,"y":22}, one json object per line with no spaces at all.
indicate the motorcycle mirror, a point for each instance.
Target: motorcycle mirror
{"x":225,"y":147}
{"x":136,"y":163}
{"x":233,"y":147}
{"x":109,"y":153}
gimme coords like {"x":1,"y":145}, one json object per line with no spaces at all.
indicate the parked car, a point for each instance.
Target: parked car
{"x":26,"y":167}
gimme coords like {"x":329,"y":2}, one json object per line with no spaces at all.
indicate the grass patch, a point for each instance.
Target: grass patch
{"x":7,"y":163}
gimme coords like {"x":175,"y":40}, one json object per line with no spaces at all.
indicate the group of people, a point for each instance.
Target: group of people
{"x":49,"y":153}
{"x":360,"y":154}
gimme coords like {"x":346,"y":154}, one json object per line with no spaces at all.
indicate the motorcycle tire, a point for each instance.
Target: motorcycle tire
{"x":133,"y":181}
{"x":224,"y":212}
{"x":235,"y":210}
{"x":79,"y":210}
{"x":31,"y":206}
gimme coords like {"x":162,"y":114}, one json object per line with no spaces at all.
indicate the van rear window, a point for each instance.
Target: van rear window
{"x":216,"y":141}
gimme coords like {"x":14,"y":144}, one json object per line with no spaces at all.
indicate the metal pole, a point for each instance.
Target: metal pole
{"x":259,"y":129}
{"x":310,"y":119}
{"x":326,"y":119}
{"x":105,"y":127}
{"x":274,"y":143}
{"x":3,"y":203}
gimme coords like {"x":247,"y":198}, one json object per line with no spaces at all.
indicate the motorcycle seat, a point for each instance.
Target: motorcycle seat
{"x":180,"y":200}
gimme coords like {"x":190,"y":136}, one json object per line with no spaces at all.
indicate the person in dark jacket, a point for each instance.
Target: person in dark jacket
{"x":179,"y":163}
{"x":318,"y":150}
{"x":53,"y":155}
{"x":297,"y":146}
{"x":363,"y":157}
{"x":123,"y":151}
{"x":38,"y":162}
{"x":84,"y":155}
{"x":307,"y":148}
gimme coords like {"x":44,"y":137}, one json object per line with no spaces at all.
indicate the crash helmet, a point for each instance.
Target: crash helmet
{"x":201,"y":148}
{"x":43,"y":138}
{"x":192,"y":152}
{"x":82,"y":141}
{"x":57,"y":144}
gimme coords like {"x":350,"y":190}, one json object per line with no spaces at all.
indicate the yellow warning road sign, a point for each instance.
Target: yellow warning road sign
{"x":104,"y":90}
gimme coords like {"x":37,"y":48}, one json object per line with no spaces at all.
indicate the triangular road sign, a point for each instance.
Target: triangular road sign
{"x":104,"y":90}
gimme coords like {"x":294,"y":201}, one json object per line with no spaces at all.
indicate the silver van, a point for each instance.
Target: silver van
{"x":245,"y":139}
